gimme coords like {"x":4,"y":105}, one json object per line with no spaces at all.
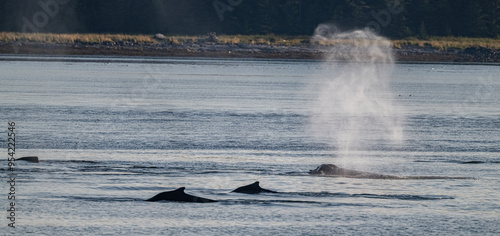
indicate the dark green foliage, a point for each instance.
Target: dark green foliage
{"x":422,"y":31}
{"x":392,"y":18}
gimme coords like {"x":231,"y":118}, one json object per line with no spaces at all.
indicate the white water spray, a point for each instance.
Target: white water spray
{"x":354,"y":109}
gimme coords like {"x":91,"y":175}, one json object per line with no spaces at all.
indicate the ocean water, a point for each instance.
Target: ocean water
{"x":111,"y":132}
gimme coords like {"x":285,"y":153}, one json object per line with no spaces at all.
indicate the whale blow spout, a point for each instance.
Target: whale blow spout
{"x":28,"y":159}
{"x":178,"y":195}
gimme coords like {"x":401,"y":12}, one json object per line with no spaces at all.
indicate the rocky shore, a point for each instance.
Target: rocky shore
{"x":242,"y":50}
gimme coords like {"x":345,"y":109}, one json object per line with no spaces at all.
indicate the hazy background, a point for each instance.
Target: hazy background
{"x":392,"y":18}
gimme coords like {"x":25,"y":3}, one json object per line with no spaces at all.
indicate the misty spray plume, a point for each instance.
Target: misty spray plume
{"x":354,"y":109}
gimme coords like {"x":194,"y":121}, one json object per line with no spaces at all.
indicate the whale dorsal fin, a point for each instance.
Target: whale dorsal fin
{"x":179,"y":190}
{"x":252,"y":189}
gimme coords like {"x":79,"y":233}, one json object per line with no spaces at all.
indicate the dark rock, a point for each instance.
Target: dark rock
{"x":211,"y":38}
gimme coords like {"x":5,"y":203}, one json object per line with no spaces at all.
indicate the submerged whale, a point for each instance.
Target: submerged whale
{"x":28,"y":159}
{"x":178,"y":195}
{"x":252,"y":189}
{"x":335,"y":171}
{"x":332,"y":170}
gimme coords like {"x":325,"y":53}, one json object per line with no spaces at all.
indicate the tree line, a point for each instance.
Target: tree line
{"x":391,"y":18}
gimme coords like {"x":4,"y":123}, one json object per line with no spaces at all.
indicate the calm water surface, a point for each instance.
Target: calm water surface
{"x":112,"y":132}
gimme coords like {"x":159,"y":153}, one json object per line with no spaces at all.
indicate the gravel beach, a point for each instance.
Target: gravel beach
{"x":242,"y":50}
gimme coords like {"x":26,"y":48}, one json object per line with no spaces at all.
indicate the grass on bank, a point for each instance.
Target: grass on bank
{"x":444,"y":43}
{"x":100,"y":38}
{"x":441,"y":43}
{"x":71,"y":38}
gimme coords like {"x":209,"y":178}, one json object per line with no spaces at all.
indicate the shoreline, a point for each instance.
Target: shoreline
{"x":411,"y":53}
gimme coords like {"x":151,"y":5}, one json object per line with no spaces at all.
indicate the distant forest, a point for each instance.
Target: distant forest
{"x":391,"y":18}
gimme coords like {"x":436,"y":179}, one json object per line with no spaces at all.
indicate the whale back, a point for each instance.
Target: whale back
{"x":327,"y":169}
{"x":28,"y":159}
{"x":335,"y":171}
{"x":252,"y":189}
{"x":178,"y":195}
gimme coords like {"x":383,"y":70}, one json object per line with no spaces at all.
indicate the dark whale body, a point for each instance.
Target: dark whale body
{"x":252,"y":189}
{"x":335,"y":171}
{"x":28,"y":159}
{"x":178,"y":195}
{"x":331,"y":170}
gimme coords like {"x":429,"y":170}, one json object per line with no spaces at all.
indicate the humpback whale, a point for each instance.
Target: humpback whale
{"x":178,"y":195}
{"x":332,"y":170}
{"x":28,"y":159}
{"x":335,"y":171}
{"x":252,"y":189}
